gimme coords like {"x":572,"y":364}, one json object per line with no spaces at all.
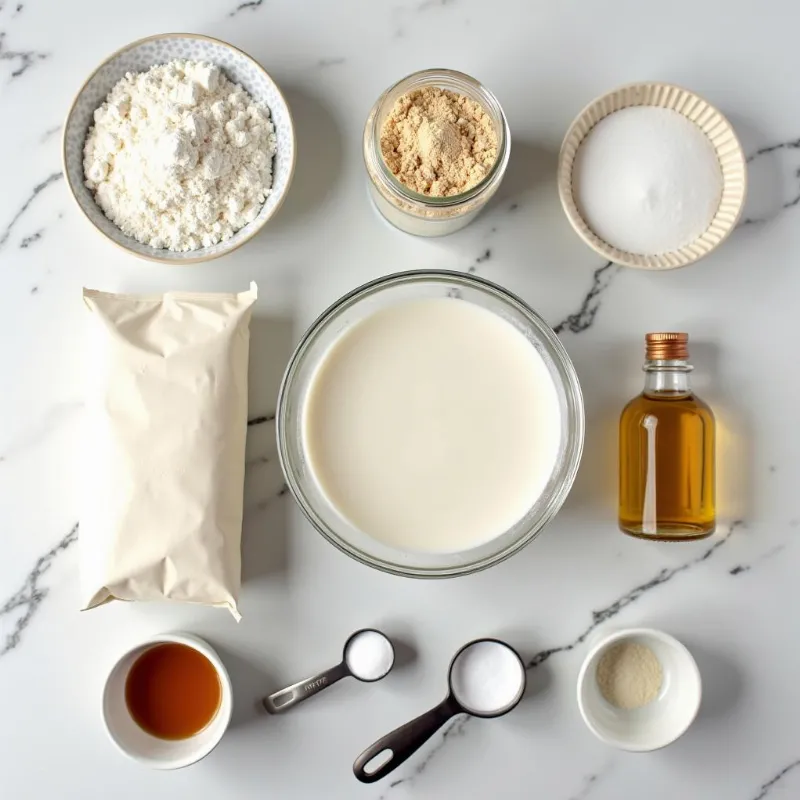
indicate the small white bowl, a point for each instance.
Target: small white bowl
{"x":139,"y":56}
{"x":709,"y":120}
{"x":149,"y":750}
{"x":657,"y":724}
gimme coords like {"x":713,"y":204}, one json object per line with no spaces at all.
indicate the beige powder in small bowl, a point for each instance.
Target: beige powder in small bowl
{"x":437,"y":142}
{"x":629,"y":675}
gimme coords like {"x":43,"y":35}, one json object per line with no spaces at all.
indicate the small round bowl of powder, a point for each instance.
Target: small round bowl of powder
{"x":652,"y":176}
{"x":179,"y":148}
{"x":639,"y":689}
{"x":436,"y":147}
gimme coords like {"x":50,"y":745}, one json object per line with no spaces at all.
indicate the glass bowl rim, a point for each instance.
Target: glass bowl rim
{"x":575,"y":440}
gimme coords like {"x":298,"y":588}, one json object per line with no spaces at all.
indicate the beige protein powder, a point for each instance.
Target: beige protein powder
{"x":437,"y":142}
{"x":629,"y":675}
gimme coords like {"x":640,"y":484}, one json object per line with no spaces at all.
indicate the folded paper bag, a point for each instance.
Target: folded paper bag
{"x":165,"y":447}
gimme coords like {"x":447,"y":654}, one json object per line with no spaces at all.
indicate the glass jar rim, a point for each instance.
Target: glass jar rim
{"x":428,"y":77}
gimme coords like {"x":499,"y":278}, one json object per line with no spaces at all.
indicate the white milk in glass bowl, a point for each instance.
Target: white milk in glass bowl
{"x":430,"y":424}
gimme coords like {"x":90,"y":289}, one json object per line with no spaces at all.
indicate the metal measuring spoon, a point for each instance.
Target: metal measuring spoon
{"x":393,"y":749}
{"x":348,"y":667}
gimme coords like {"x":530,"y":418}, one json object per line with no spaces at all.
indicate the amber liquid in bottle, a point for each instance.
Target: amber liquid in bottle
{"x":666,"y":451}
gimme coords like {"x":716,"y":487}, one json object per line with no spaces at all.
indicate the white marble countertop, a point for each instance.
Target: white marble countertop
{"x":733,"y":599}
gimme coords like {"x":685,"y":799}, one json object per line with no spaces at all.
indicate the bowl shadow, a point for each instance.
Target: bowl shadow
{"x":531,"y":168}
{"x":773,"y":170}
{"x":319,"y":156}
{"x":249,"y":683}
{"x":264,"y":528}
{"x":722,"y":693}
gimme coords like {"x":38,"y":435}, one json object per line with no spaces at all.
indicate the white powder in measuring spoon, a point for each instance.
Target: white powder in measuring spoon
{"x":647,"y":180}
{"x":487,"y":677}
{"x":369,"y":655}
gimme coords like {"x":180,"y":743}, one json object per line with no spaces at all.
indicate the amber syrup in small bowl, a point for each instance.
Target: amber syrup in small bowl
{"x":172,"y":691}
{"x":168,"y":702}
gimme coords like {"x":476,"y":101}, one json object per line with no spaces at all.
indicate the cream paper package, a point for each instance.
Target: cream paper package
{"x":165,"y":447}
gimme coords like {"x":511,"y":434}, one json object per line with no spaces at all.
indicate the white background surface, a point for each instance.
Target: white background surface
{"x":736,"y":609}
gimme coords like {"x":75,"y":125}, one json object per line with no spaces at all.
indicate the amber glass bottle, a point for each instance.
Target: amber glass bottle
{"x":666,"y":450}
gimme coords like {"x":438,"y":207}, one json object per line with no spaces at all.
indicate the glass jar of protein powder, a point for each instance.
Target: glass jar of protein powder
{"x":424,"y":214}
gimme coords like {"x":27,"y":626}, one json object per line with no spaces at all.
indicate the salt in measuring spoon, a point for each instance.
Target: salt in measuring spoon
{"x":368,"y":656}
{"x":486,"y":679}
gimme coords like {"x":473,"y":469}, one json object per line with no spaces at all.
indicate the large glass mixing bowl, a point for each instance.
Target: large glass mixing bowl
{"x":311,"y":352}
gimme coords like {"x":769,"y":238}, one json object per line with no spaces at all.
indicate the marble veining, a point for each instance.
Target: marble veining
{"x":37,"y":190}
{"x":794,"y":199}
{"x":263,"y":505}
{"x":792,"y":144}
{"x":425,"y":5}
{"x":28,"y":241}
{"x":583,"y":318}
{"x":589,"y":783}
{"x":451,"y":730}
{"x":26,"y":600}
{"x":599,"y":617}
{"x":603,"y":276}
{"x":481,"y":259}
{"x":249,"y":5}
{"x":665,"y":575}
{"x":261,"y":419}
{"x":20,"y":61}
{"x":771,"y":553}
{"x":49,"y":134}
{"x":772,"y":783}
{"x":336,"y":61}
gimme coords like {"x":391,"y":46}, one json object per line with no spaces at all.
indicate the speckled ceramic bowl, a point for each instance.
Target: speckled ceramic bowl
{"x":140,"y":56}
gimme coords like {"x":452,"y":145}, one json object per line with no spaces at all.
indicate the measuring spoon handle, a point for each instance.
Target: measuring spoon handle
{"x":292,"y":695}
{"x":403,"y":742}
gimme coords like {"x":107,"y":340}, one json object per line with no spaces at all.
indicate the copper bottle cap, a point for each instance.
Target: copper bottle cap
{"x":667,"y":346}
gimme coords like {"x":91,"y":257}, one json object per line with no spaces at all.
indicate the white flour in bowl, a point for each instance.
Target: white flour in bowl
{"x":180,"y":157}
